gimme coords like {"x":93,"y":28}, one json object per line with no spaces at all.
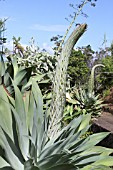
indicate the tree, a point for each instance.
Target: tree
{"x":105,"y":78}
{"x":78,"y":69}
{"x":88,"y":52}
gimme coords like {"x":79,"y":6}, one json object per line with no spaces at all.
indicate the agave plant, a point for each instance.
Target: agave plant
{"x":86,"y":103}
{"x":24,"y":141}
{"x":83,"y":100}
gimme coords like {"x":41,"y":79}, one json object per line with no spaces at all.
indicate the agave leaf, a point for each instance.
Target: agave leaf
{"x":65,"y":139}
{"x":9,"y":154}
{"x":3,"y":163}
{"x":107,"y":161}
{"x":39,"y":103}
{"x":29,"y":107}
{"x":37,"y":78}
{"x":61,"y":134}
{"x":15,"y":66}
{"x":93,"y":167}
{"x":50,"y":150}
{"x":44,"y":130}
{"x":19,"y":105}
{"x":86,"y":159}
{"x":35,"y":116}
{"x":6,"y":168}
{"x":85,"y":121}
{"x":50,"y":160}
{"x":8,"y":73}
{"x":38,"y":107}
{"x":22,"y":74}
{"x":2,"y":66}
{"x":22,"y":134}
{"x":20,"y":117}
{"x":5,"y":112}
{"x":100,"y":167}
{"x":13,"y":147}
{"x":63,"y":167}
{"x":29,"y":165}
{"x":92,"y":140}
{"x":103,"y":164}
{"x":98,"y":149}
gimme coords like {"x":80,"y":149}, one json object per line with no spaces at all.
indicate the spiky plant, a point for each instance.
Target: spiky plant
{"x":24,"y":141}
{"x":84,"y":100}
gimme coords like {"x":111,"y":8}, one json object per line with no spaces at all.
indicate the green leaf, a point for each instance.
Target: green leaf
{"x":29,"y":83}
{"x":13,"y":147}
{"x":5,"y":112}
{"x":29,"y":107}
{"x":85,"y":121}
{"x":38,"y":101}
{"x":101,"y":167}
{"x":9,"y":154}
{"x":2,"y":66}
{"x":92,"y":140}
{"x":63,"y":167}
{"x":15,"y":66}
{"x":20,"y":117}
{"x":107,"y":161}
{"x":22,"y":76}
{"x":29,"y":165}
{"x":6,"y":168}
{"x":3,"y":163}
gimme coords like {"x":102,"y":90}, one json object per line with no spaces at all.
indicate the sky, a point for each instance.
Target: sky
{"x":43,"y":19}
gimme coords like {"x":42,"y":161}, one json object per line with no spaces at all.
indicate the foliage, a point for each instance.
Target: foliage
{"x":106,"y":93}
{"x":25,"y":143}
{"x":82,"y":99}
{"x":31,"y":56}
{"x":19,"y":74}
{"x":82,"y":102}
{"x":88,"y":53}
{"x":27,"y":140}
{"x":105,"y":77}
{"x":78,"y":69}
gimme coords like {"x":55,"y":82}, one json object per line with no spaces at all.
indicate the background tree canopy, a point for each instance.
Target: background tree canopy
{"x":78,"y":68}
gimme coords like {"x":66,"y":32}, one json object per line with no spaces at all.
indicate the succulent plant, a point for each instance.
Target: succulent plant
{"x":83,"y":100}
{"x":24,"y":140}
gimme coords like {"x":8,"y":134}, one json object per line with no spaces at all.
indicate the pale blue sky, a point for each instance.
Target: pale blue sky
{"x":43,"y":19}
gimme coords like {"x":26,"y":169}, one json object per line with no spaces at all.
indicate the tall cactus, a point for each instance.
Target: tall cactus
{"x":59,"y":81}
